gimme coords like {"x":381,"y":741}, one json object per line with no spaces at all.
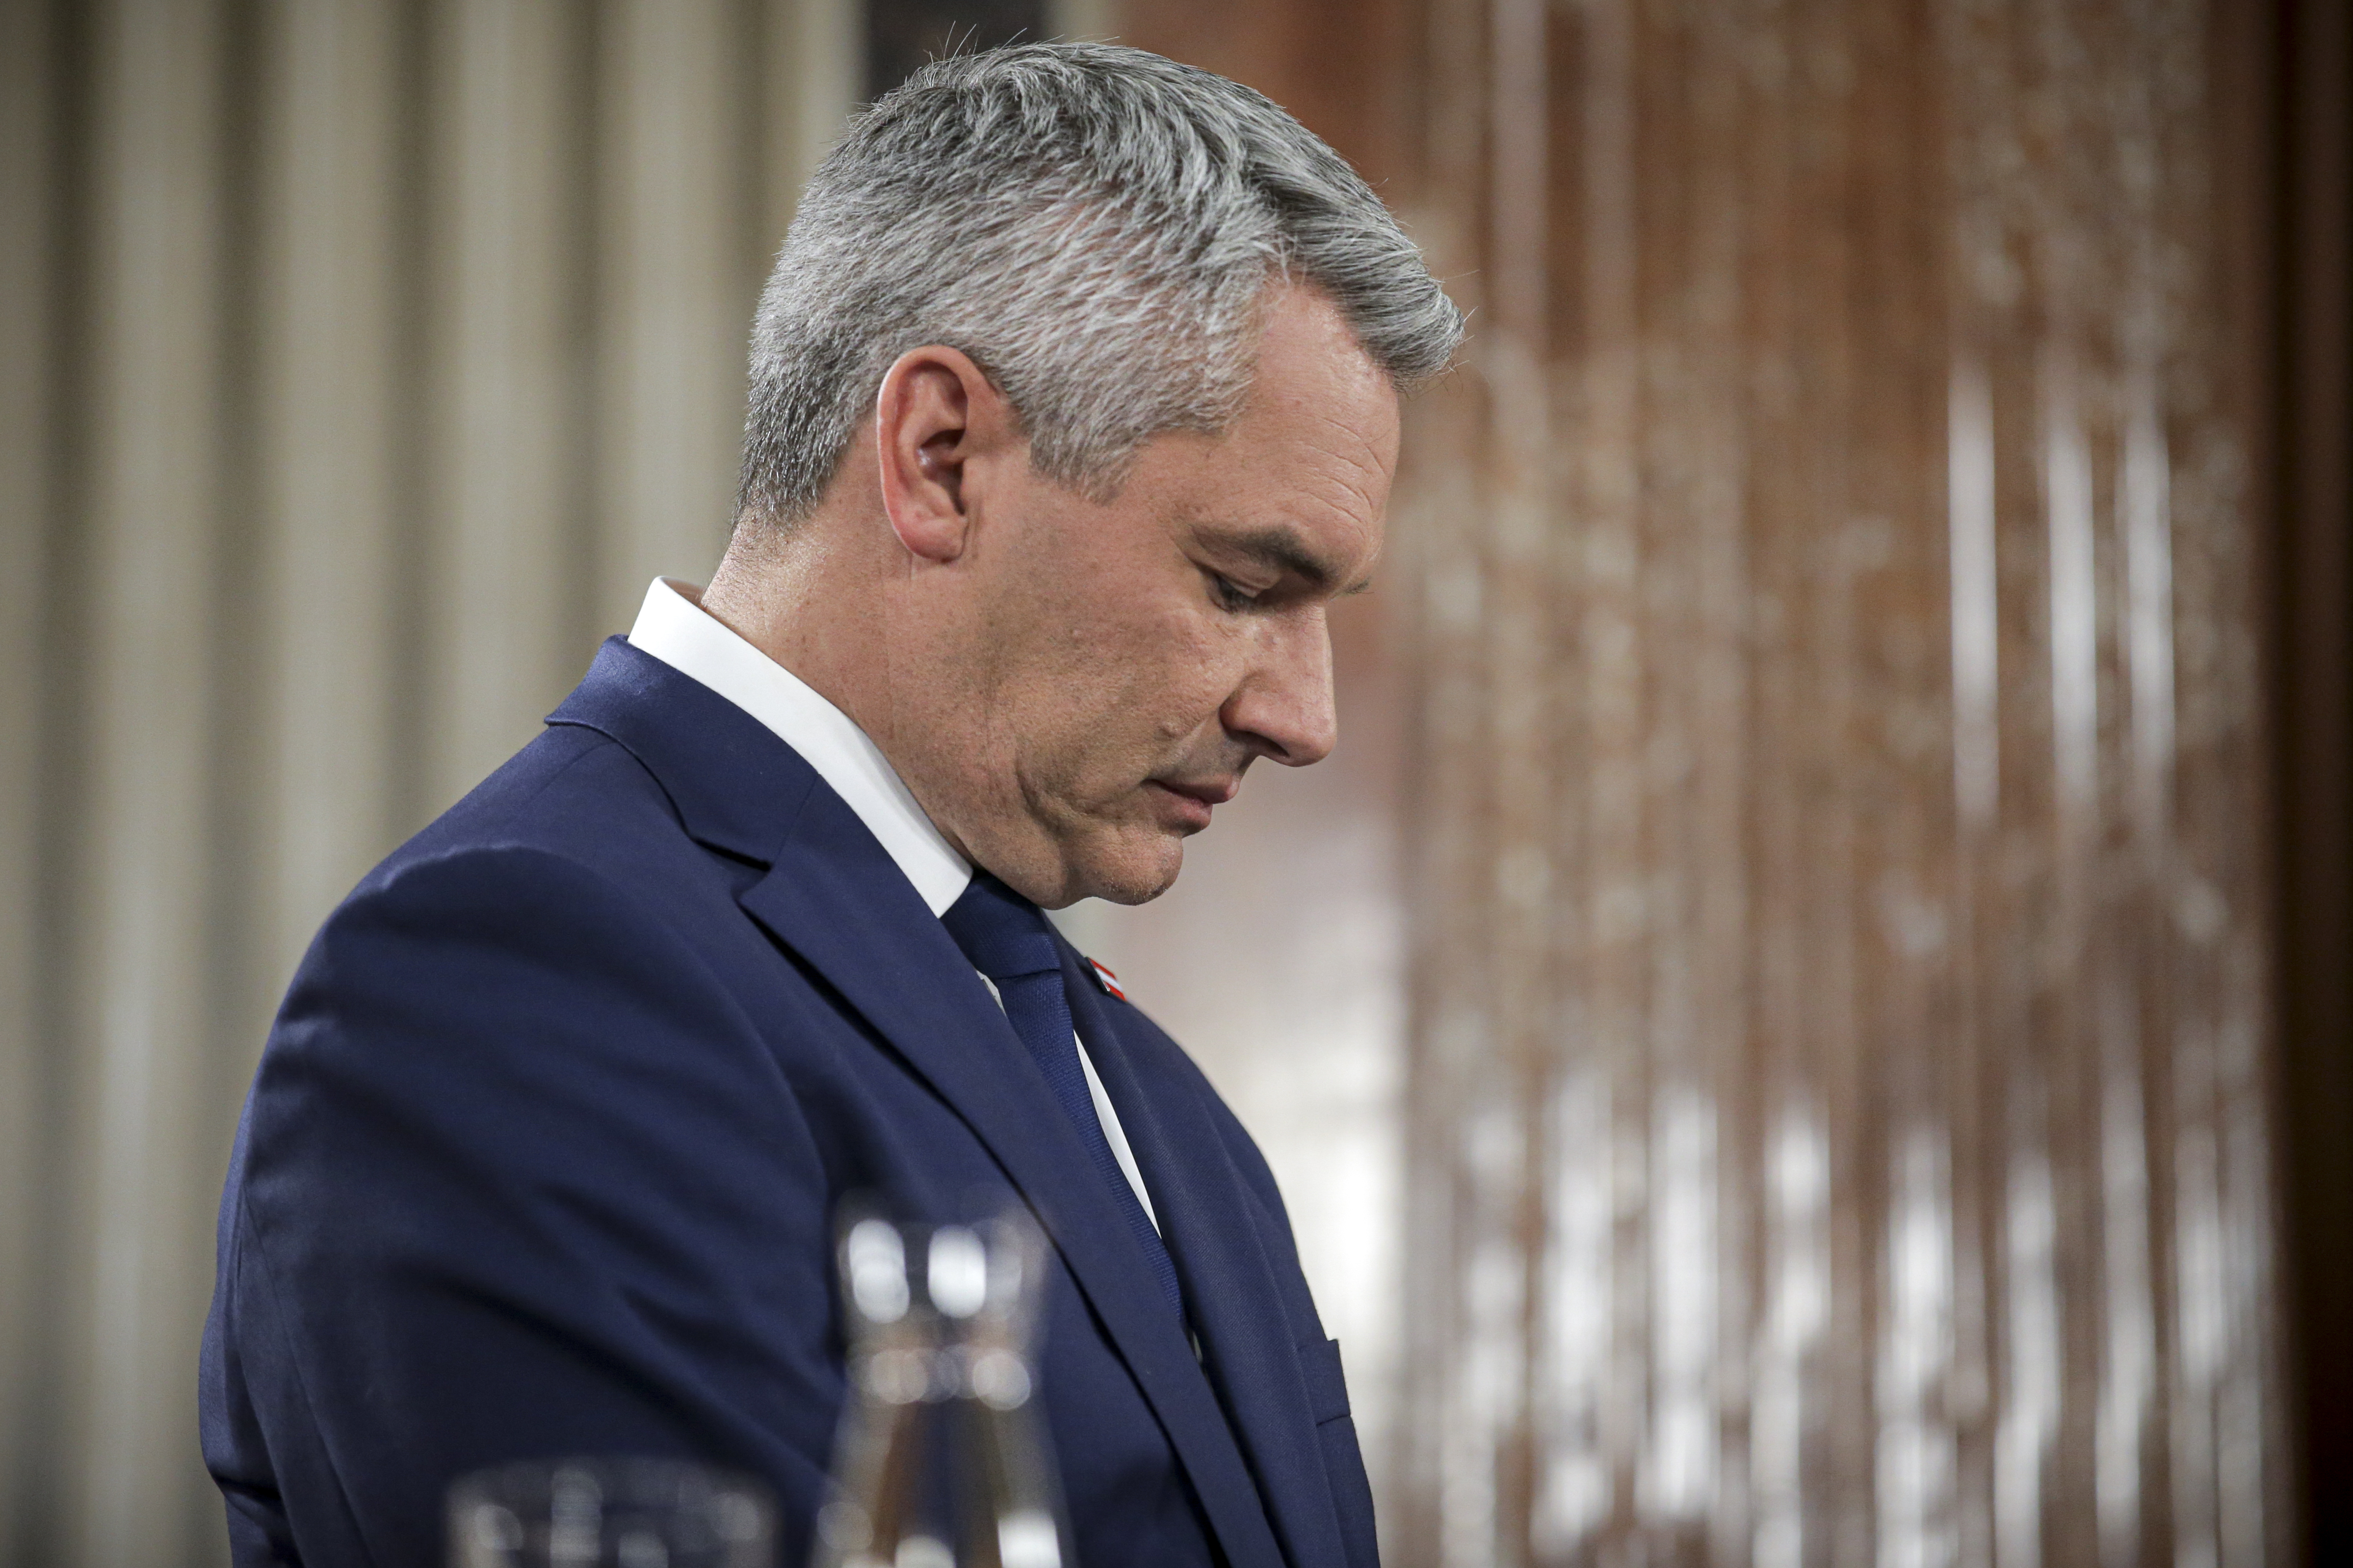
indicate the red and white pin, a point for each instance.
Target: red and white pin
{"x":1109,"y":981}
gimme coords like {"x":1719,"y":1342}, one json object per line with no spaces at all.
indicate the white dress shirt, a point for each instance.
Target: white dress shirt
{"x":674,"y":629}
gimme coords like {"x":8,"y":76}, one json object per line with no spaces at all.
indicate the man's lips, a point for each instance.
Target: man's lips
{"x":1190,"y":799}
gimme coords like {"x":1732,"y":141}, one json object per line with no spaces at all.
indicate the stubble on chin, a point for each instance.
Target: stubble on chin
{"x":1127,"y":863}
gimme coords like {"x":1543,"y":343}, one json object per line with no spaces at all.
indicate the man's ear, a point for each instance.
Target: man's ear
{"x":935,"y":413}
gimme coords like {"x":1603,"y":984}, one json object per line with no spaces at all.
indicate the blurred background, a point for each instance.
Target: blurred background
{"x":1810,"y":1021}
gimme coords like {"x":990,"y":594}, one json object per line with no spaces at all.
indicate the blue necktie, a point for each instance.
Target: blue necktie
{"x":1008,"y":939}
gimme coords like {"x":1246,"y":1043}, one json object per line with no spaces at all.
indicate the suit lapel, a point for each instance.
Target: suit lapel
{"x":835,"y":898}
{"x":1228,"y":1279}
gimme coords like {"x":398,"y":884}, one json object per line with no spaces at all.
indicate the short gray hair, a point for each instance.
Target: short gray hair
{"x":1096,"y":226}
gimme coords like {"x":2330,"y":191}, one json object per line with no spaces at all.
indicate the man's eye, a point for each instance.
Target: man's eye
{"x":1231,"y":595}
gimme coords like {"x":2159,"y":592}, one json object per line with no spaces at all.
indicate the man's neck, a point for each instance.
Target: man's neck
{"x":785,"y":596}
{"x":822,"y":603}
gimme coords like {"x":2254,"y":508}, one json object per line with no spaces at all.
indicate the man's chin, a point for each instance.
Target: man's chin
{"x":1133,"y":866}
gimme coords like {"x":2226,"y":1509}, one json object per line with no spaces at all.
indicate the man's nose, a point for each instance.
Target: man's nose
{"x":1282,"y":709}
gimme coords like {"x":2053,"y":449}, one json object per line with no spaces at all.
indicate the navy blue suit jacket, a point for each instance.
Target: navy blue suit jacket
{"x":545,"y":1151}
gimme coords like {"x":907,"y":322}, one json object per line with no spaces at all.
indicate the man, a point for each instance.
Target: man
{"x":1074,"y":405}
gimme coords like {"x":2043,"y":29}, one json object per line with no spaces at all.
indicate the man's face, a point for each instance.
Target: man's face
{"x":1123,"y":664}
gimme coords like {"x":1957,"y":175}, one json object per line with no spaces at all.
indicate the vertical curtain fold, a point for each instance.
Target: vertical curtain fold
{"x":363,"y":360}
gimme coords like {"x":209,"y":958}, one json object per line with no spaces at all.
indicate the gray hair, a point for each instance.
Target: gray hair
{"x":1096,"y":226}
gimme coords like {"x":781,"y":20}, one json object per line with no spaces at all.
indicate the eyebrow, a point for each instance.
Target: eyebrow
{"x":1277,"y":546}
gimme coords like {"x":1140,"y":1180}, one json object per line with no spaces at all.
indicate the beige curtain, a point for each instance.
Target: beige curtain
{"x":363,"y":362}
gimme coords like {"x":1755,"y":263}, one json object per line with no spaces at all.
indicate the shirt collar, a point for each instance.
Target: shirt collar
{"x":675,"y":629}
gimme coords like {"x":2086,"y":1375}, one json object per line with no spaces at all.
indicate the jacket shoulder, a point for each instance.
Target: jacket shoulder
{"x":571,"y":836}
{"x":571,"y":792}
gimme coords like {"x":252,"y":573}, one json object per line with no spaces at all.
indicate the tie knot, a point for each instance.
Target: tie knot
{"x":1003,"y":934}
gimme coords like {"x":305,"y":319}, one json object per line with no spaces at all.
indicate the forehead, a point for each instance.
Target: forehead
{"x":1315,"y":447}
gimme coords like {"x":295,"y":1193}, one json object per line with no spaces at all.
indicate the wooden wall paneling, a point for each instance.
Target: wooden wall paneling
{"x":1340,"y":66}
{"x":1689,"y":1476}
{"x":1748,"y":1378}
{"x":1899,"y":1182}
{"x":1517,"y":863}
{"x":505,"y":628}
{"x":1706,"y":1231}
{"x":2113,"y":1344}
{"x":1598,"y":1192}
{"x":1448,"y":1442}
{"x":2215,"y":966}
{"x":672,"y":297}
{"x":1904,"y":1456}
{"x":1442,"y":1453}
{"x":138,"y":1265}
{"x":1900,"y":1193}
{"x":27,"y":150}
{"x":2002,"y":759}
